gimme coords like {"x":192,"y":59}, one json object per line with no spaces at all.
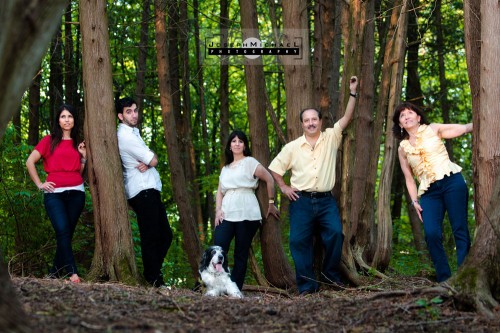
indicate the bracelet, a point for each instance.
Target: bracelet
{"x":414,"y":202}
{"x":83,"y":160}
{"x":271,"y":201}
{"x":353,"y":95}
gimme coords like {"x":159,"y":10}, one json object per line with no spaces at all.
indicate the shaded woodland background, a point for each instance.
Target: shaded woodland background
{"x":154,"y":50}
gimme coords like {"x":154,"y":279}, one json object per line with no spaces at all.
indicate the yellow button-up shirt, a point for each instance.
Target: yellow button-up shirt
{"x":313,"y":169}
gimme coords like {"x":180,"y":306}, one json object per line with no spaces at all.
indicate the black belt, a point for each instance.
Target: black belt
{"x":315,"y":194}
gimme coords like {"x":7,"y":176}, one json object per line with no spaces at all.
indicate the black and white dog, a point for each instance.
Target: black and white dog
{"x":214,"y":273}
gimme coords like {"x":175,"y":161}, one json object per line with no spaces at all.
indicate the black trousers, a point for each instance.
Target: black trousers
{"x":243,"y":233}
{"x":156,"y":235}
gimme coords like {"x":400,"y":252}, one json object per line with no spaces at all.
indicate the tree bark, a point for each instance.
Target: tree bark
{"x":26,"y":28}
{"x":191,"y":242}
{"x":276,"y":267}
{"x":34,"y":110}
{"x":298,"y":76}
{"x":383,"y":249}
{"x":478,"y":279}
{"x":55,"y":75}
{"x":443,"y":83}
{"x":114,"y":257}
{"x":357,"y":148}
{"x":224,"y":78}
{"x":140,"y":85}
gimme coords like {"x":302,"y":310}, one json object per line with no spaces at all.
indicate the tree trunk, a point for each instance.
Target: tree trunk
{"x":383,"y":249}
{"x":12,"y":316}
{"x":276,"y":267}
{"x":443,"y":83}
{"x":114,"y":257}
{"x":298,"y":76}
{"x":70,"y":69}
{"x":325,"y":51}
{"x":185,"y":131}
{"x":478,"y":279}
{"x":209,"y":208}
{"x":224,"y":25}
{"x":415,"y":95}
{"x":55,"y":75}
{"x":191,"y":242}
{"x":140,"y":85}
{"x":34,"y":110}
{"x":357,"y":148}
{"x":26,"y":28}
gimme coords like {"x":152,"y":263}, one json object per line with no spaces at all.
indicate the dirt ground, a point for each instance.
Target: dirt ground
{"x":395,"y":305}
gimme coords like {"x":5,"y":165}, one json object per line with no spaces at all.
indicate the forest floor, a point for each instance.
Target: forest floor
{"x":394,"y":305}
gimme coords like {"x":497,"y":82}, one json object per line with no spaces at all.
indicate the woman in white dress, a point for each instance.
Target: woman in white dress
{"x":237,"y":209}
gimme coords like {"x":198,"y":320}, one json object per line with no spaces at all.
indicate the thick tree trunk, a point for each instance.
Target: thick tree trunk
{"x":191,"y":242}
{"x":478,"y":279}
{"x":12,"y":316}
{"x":26,"y":28}
{"x":298,"y":76}
{"x":325,"y":51}
{"x":114,"y":257}
{"x":276,"y":267}
{"x":358,"y":148}
{"x":396,"y":58}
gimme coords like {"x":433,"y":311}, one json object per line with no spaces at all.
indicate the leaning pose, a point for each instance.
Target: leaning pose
{"x":441,"y":187}
{"x":63,"y":191}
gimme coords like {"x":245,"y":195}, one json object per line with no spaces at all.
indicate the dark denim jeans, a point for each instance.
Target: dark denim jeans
{"x":64,"y":210}
{"x":448,"y":194}
{"x":307,"y":215}
{"x":243,"y":233}
{"x":156,"y":235}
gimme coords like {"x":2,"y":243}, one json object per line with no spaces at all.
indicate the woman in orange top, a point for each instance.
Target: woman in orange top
{"x":442,"y":187}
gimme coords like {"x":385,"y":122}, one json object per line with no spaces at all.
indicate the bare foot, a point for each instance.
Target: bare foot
{"x":74,"y":278}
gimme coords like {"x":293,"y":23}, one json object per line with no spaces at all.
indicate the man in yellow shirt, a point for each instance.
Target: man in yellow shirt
{"x":311,"y":160}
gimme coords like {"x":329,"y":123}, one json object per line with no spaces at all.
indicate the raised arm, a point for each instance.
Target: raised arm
{"x":349,"y":110}
{"x":450,"y":131}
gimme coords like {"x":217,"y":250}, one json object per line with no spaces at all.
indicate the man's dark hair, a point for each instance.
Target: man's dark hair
{"x":304,"y":110}
{"x":123,"y":103}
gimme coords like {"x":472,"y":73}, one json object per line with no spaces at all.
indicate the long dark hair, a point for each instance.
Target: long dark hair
{"x":57,"y":133}
{"x":227,"y":150}
{"x":397,"y":130}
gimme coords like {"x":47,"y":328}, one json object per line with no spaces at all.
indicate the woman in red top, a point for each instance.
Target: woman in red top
{"x":64,"y":194}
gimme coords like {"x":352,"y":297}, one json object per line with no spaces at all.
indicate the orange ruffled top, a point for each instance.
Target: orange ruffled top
{"x":428,"y":159}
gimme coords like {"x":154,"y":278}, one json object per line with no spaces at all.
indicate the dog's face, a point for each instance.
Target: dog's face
{"x":214,"y":260}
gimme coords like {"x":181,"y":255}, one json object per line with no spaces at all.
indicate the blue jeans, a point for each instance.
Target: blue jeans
{"x":156,"y":235}
{"x":306,"y":215}
{"x":64,"y":210}
{"x":448,"y":194}
{"x":243,"y":233}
